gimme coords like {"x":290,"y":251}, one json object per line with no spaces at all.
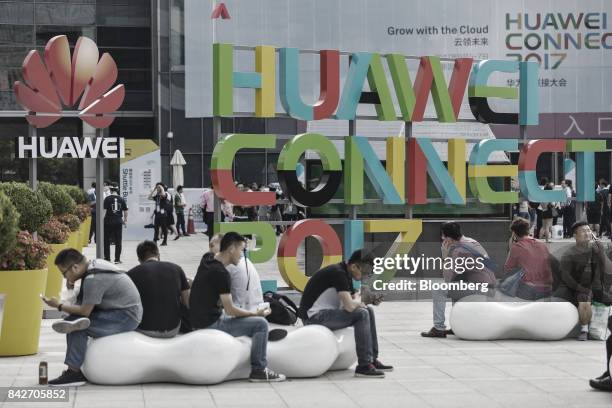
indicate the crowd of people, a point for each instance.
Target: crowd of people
{"x":579,"y":277}
{"x":156,"y":299}
{"x":234,"y":213}
{"x":543,"y":216}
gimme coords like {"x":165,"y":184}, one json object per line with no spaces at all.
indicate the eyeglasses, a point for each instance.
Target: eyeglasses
{"x":65,"y":271}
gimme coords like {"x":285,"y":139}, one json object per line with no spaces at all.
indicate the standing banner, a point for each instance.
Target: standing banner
{"x":140,"y":170}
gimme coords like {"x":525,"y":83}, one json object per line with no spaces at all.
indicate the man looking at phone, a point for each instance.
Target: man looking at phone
{"x":329,"y":300}
{"x":212,"y":287}
{"x":108,"y":303}
{"x":583,"y":267}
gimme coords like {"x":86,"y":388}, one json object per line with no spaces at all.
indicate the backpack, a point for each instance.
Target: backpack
{"x":284,"y":311}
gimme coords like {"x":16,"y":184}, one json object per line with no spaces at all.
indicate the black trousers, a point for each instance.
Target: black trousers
{"x":180,"y":224}
{"x":92,"y":227}
{"x":112,"y":232}
{"x":161,"y":222}
{"x":609,"y":346}
{"x":209,"y":219}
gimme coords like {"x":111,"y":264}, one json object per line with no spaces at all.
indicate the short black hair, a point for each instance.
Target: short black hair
{"x":451,"y":229}
{"x":360,"y":257}
{"x":93,"y":184}
{"x":229,"y":239}
{"x":68,"y":256}
{"x":146,"y":249}
{"x":520,"y":227}
{"x":543,"y":181}
{"x":179,"y":188}
{"x":577,"y":225}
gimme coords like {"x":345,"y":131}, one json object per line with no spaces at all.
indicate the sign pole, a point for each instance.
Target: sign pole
{"x":99,"y":201}
{"x":32,"y":162}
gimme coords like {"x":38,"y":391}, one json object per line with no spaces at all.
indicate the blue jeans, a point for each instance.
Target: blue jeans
{"x":438,"y":298}
{"x":103,"y":323}
{"x":364,"y":324}
{"x":254,"y":327}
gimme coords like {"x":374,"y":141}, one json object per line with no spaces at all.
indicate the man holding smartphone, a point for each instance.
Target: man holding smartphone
{"x":211,"y":289}
{"x":583,"y":267}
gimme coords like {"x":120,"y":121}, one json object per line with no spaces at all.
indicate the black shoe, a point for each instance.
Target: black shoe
{"x":433,"y":332}
{"x":603,"y":382}
{"x":69,"y":378}
{"x":266,"y":375}
{"x":368,"y":371}
{"x":164,"y":243}
{"x":117,"y":262}
{"x":381,"y":367}
{"x":450,"y":332}
{"x":177,"y":237}
{"x":277,"y":334}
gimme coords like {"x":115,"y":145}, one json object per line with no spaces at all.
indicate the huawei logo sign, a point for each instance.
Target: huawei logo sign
{"x":60,"y":80}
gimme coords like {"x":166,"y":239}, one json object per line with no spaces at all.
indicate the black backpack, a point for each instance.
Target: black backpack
{"x":284,"y":311}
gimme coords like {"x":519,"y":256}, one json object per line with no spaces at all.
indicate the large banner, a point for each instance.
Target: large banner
{"x":140,"y":170}
{"x":571,"y":39}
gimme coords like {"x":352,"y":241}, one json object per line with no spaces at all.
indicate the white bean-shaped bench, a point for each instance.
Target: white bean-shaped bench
{"x":212,"y":356}
{"x":474,"y":318}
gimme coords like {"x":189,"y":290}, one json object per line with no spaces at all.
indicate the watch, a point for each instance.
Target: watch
{"x":59,"y":307}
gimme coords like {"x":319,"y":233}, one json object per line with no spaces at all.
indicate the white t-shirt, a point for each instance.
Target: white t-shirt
{"x":241,"y":297}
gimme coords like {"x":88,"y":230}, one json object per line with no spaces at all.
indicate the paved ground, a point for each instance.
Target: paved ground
{"x":429,"y":372}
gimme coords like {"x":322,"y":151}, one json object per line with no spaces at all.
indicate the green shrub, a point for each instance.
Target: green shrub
{"x":9,"y":221}
{"x":78,"y":195}
{"x":61,"y":201}
{"x":33,"y":207}
{"x":83,"y":211}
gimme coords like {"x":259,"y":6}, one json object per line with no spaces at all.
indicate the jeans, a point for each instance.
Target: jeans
{"x":364,"y":324}
{"x":438,"y":298}
{"x":180,"y":223}
{"x":113,"y":232}
{"x":103,"y":323}
{"x":609,"y":346}
{"x":254,"y":327}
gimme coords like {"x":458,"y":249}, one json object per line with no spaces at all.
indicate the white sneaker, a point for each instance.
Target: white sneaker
{"x":69,"y":326}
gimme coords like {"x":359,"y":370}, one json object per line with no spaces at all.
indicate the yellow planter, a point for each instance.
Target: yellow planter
{"x":54,"y":278}
{"x":22,"y":311}
{"x":73,"y":241}
{"x":85,"y":231}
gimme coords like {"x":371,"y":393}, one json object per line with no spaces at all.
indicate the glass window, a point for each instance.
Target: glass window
{"x":135,"y":79}
{"x":124,"y":37}
{"x":137,"y":101}
{"x":187,"y":132}
{"x":192,"y":171}
{"x":45,"y":33}
{"x":132,"y":14}
{"x":8,"y":102}
{"x":15,"y":12}
{"x":133,"y":128}
{"x":250,"y":167}
{"x":16,"y":35}
{"x":12,"y":56}
{"x":70,"y":14}
{"x":130,"y":58}
{"x":8,"y":78}
{"x":177,"y":32}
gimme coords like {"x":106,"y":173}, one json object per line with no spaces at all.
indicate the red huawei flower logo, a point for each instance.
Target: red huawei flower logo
{"x":69,"y":78}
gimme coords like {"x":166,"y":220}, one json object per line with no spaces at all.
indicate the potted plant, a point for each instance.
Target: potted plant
{"x":35,"y":209}
{"x":23,"y":277}
{"x":73,"y":223}
{"x":9,"y":218}
{"x":55,"y":233}
{"x":83,"y":211}
{"x":60,"y":200}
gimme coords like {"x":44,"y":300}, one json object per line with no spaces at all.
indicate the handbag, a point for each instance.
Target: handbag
{"x":510,"y":285}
